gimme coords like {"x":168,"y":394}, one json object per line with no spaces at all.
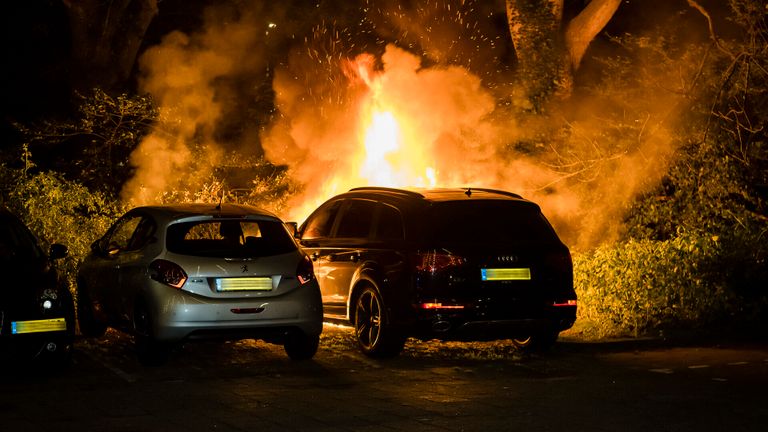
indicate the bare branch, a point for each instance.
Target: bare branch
{"x":694,"y":4}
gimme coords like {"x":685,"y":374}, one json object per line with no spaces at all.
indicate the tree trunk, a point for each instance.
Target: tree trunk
{"x":106,"y":37}
{"x":539,"y":46}
{"x":547,"y":53}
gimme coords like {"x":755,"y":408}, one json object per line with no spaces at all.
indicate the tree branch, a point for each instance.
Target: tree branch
{"x":586,"y":25}
{"x":715,"y":40}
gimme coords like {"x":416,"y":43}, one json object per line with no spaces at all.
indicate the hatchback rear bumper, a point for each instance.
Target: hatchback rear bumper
{"x":180,"y":316}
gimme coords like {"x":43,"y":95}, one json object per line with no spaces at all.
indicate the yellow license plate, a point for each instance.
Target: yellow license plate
{"x":39,"y":326}
{"x":505,"y":274}
{"x":244,"y":284}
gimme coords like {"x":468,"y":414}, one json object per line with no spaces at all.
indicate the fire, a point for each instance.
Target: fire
{"x":393,"y":155}
{"x":389,"y":152}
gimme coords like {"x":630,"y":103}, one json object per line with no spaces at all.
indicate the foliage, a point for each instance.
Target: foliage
{"x":240,"y":180}
{"x":646,"y":286}
{"x":694,"y":252}
{"x":59,"y":211}
{"x":94,"y":147}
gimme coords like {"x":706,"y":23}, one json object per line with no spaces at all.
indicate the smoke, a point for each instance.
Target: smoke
{"x":201,"y":83}
{"x":583,"y":162}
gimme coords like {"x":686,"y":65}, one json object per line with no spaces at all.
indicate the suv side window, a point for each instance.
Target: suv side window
{"x":356,"y":219}
{"x":320,"y":223}
{"x":390,"y":225}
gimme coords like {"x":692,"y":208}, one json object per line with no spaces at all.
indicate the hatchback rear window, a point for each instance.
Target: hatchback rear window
{"x":472,"y":222}
{"x":229,"y":238}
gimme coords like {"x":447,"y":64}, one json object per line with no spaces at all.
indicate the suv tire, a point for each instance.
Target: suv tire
{"x":375,"y":336}
{"x":537,"y":343}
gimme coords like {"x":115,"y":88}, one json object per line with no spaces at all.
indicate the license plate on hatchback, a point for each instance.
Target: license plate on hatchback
{"x":505,"y":274}
{"x":244,"y":284}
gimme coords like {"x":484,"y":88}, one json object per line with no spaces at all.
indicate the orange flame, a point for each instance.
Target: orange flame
{"x":389,"y":151}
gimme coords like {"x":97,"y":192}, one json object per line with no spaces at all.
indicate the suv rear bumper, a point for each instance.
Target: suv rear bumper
{"x":453,"y":326}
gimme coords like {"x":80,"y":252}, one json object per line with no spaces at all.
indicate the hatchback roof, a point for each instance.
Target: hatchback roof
{"x":176,"y":211}
{"x":441,"y":194}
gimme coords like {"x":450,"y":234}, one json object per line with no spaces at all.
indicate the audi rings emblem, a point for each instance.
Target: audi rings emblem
{"x":507,"y":258}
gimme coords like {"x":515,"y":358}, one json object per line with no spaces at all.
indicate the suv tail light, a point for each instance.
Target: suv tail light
{"x":434,"y":261}
{"x":306,"y":271}
{"x":560,"y":261}
{"x":168,"y":273}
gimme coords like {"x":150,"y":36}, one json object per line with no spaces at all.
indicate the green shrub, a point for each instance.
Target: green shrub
{"x":59,"y":211}
{"x":691,"y":282}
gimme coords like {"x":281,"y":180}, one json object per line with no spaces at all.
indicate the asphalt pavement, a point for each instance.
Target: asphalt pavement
{"x":630,"y":385}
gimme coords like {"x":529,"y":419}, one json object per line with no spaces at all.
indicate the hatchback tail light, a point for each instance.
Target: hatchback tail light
{"x":168,"y":273}
{"x":306,"y":271}
{"x":434,"y":261}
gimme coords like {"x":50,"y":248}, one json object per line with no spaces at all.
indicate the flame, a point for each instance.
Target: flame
{"x":389,"y":150}
{"x":391,"y":155}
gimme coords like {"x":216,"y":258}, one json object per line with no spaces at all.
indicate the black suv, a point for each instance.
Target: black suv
{"x":454,"y":264}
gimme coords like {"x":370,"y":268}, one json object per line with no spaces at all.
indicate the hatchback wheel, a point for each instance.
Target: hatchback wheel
{"x":299,"y":346}
{"x":89,"y":325}
{"x":375,"y":336}
{"x":150,"y":351}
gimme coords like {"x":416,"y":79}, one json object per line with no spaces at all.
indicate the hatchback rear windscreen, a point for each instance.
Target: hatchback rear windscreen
{"x":229,"y":238}
{"x":476,"y":222}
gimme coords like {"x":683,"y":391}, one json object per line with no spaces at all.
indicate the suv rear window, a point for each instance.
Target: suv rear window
{"x":472,"y":222}
{"x":229,"y":238}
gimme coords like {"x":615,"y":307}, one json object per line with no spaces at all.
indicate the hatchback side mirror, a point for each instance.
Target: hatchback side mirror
{"x":293,"y":228}
{"x":57,"y":251}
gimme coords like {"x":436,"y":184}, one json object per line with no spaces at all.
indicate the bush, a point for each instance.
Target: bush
{"x":691,"y":281}
{"x":59,"y":211}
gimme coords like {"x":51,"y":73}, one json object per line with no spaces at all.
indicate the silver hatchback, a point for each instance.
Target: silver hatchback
{"x":172,"y":273}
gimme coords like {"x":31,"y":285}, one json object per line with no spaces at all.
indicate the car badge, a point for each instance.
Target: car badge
{"x":507,"y":258}
{"x":244,"y":268}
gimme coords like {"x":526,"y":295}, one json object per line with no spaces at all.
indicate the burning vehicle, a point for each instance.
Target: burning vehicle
{"x":454,"y":264}
{"x":37,"y":317}
{"x":174,"y":273}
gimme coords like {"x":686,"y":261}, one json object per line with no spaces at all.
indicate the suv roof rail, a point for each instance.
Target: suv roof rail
{"x":496,"y":191}
{"x":389,"y":189}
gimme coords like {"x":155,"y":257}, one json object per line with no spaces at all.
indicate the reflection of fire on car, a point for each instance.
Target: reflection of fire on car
{"x":475,"y":264}
{"x":37,"y":318}
{"x":168,"y":274}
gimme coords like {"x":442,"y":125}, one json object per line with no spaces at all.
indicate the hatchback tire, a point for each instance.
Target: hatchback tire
{"x":149,"y":351}
{"x":89,"y":325}
{"x":300,"y":346}
{"x":375,"y":336}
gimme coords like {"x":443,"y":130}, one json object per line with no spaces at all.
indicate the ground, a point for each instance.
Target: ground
{"x":641,"y":385}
